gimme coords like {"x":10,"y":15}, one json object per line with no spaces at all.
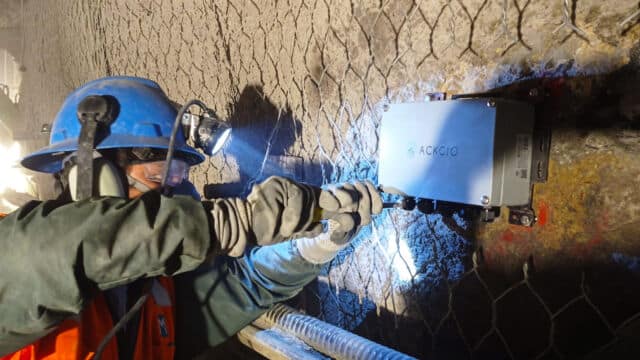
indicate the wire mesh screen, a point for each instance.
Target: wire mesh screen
{"x":554,"y":314}
{"x":304,"y":83}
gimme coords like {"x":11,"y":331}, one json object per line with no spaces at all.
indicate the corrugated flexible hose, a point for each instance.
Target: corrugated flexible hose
{"x":328,"y":339}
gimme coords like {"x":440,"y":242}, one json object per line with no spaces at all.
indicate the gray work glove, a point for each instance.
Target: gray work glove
{"x":350,"y":207}
{"x":276,"y":210}
{"x":347,"y":209}
{"x":283,"y":209}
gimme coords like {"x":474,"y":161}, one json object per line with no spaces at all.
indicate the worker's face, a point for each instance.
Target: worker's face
{"x":150,"y":174}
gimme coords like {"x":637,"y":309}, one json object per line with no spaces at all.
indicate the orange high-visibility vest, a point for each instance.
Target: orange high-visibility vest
{"x":75,"y":339}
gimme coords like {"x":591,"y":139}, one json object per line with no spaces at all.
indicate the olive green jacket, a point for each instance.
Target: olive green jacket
{"x":55,"y":255}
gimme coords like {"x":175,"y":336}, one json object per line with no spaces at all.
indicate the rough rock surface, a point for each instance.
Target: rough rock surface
{"x":303,"y":84}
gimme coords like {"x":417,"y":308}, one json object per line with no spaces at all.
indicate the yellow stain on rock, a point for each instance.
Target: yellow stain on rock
{"x":572,"y":200}
{"x":586,"y":202}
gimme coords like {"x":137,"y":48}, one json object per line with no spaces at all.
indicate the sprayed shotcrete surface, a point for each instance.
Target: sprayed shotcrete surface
{"x":304,"y":82}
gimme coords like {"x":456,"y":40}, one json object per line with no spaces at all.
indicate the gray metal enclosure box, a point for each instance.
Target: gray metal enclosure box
{"x":470,"y":151}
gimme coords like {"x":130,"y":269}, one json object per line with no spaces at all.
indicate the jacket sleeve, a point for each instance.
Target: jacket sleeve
{"x":54,"y":255}
{"x":217,"y":300}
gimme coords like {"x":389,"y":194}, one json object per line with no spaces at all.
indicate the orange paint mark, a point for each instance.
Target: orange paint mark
{"x":543,"y":213}
{"x":507,"y":236}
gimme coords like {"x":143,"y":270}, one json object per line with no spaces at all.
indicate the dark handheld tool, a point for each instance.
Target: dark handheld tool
{"x":405,"y":203}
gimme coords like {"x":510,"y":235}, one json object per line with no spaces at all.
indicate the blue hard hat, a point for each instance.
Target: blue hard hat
{"x":144,"y":120}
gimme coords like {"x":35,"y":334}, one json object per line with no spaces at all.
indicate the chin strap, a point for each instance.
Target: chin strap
{"x":95,"y":114}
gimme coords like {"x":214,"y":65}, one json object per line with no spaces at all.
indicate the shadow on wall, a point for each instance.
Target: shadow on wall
{"x":261,"y":144}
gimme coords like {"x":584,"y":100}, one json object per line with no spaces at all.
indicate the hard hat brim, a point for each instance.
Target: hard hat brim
{"x":49,"y":159}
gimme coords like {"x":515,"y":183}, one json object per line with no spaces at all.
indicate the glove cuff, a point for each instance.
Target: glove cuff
{"x":320,"y":249}
{"x":231,"y":225}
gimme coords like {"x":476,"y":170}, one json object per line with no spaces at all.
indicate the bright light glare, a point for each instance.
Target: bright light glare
{"x":403,"y":263}
{"x":221,"y":140}
{"x":12,"y":176}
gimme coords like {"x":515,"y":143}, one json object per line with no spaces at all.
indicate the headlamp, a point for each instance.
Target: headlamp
{"x":208,"y":132}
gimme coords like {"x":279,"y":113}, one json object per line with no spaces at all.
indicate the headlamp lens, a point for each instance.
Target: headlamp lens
{"x":211,"y":135}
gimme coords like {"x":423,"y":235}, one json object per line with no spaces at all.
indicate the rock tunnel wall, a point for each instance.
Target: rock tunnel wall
{"x":304,"y":83}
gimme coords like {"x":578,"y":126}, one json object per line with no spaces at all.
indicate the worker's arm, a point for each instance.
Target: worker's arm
{"x":217,"y":300}
{"x":54,"y":255}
